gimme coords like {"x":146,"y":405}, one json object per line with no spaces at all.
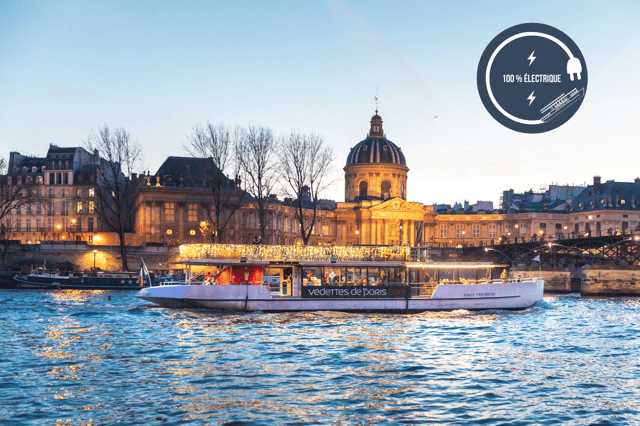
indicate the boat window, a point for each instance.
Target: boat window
{"x":467,"y":275}
{"x":312,"y":276}
{"x":350,"y":276}
{"x":373,"y":276}
{"x":447,"y":275}
{"x":484,"y":274}
{"x":332,"y":275}
{"x":396,"y":276}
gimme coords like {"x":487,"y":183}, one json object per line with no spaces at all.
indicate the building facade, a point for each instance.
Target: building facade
{"x":175,"y":206}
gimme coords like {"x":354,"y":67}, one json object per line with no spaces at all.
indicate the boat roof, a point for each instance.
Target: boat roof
{"x":388,"y":264}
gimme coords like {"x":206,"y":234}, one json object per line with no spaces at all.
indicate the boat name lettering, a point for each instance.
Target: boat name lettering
{"x":353,"y":292}
{"x":479,"y":294}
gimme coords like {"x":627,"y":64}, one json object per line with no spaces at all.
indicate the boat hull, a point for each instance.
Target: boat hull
{"x":77,"y":283}
{"x":514,"y":295}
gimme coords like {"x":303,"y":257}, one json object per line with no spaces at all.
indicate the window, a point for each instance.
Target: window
{"x":325,"y":228}
{"x":363,"y":187}
{"x":66,"y":178}
{"x":38,"y":208}
{"x":28,"y":225}
{"x":52,"y":193}
{"x":92,"y":192}
{"x":475,"y":228}
{"x":92,"y":207}
{"x":90,"y":225}
{"x":65,"y":207}
{"x":39,"y":180}
{"x":79,"y":193}
{"x":51,"y":209}
{"x":385,"y":189}
{"x":18,"y":225}
{"x":402,"y":190}
{"x":169,"y":212}
{"x":625,"y":225}
{"x":28,"y":180}
{"x":459,"y":231}
{"x":79,"y":207}
{"x":19,"y":210}
{"x":29,"y":208}
{"x":50,"y":224}
{"x":192,"y":212}
{"x":38,"y":225}
{"x":492,"y":230}
{"x":443,"y":231}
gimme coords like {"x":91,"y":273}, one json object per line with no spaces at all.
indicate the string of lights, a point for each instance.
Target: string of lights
{"x":293,"y":253}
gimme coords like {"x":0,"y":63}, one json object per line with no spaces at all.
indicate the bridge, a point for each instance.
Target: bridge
{"x":619,"y":250}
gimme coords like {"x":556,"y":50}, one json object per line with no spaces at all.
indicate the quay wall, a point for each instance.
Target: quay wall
{"x":611,"y":282}
{"x":107,"y":258}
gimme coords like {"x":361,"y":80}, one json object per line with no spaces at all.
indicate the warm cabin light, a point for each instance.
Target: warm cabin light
{"x":297,"y":252}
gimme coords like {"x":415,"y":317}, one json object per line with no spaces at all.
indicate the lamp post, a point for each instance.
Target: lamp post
{"x":517,"y":233}
{"x":400,"y":237}
{"x":58,"y":227}
{"x":94,"y":258}
{"x":463,"y":232}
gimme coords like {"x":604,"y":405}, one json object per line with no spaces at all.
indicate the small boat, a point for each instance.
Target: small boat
{"x":99,"y":281}
{"x":371,"y":281}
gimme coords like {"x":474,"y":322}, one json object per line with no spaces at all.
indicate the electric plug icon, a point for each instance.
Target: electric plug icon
{"x":574,"y":66}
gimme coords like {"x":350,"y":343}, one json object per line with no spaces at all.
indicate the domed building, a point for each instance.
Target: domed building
{"x":376,"y":168}
{"x":376,"y":211}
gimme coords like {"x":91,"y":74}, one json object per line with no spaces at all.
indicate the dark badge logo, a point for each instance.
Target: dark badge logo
{"x":532,"y":78}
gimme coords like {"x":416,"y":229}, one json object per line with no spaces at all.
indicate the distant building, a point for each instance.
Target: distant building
{"x":62,"y":186}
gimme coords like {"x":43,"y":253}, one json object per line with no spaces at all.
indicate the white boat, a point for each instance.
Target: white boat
{"x":353,"y":282}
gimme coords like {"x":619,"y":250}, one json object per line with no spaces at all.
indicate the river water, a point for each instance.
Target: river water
{"x":101,"y":358}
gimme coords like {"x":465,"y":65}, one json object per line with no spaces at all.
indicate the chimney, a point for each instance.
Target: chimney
{"x":596,"y":184}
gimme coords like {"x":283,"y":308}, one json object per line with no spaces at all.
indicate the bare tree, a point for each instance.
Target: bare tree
{"x":119,"y":158}
{"x":216,"y":142}
{"x":12,"y":197}
{"x":256,"y":149}
{"x":305,"y":162}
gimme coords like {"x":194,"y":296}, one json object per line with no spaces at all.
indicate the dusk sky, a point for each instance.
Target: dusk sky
{"x":158,"y":68}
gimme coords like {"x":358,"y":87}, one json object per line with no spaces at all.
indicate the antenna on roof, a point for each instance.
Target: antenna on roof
{"x":375,"y":99}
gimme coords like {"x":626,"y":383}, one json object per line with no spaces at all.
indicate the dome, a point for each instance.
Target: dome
{"x":376,"y":150}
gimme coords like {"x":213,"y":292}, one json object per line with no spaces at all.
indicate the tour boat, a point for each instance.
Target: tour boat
{"x":360,"y":279}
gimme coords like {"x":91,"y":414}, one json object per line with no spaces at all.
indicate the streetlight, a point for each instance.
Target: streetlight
{"x":58,"y":227}
{"x":517,"y":233}
{"x":94,"y":258}
{"x":511,"y":262}
{"x":463,"y":232}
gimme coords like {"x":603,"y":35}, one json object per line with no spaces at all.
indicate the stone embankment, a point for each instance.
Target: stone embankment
{"x":587,"y":281}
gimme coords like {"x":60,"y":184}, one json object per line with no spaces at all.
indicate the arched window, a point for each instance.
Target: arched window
{"x":402,"y":191}
{"x":385,"y":189}
{"x":363,"y":189}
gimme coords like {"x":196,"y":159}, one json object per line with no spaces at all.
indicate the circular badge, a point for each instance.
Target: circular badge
{"x":532,"y":78}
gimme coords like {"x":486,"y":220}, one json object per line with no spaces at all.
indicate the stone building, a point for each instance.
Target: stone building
{"x":61,"y":188}
{"x":174,"y":206}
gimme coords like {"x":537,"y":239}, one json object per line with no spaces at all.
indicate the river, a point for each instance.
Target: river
{"x":101,"y":358}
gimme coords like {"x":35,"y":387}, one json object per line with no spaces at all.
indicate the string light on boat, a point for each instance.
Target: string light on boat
{"x":290,"y":253}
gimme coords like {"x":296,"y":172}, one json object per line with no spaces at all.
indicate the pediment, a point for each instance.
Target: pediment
{"x":395,"y":207}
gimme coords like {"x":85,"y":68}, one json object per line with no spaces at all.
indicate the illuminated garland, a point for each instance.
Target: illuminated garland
{"x":292,"y":253}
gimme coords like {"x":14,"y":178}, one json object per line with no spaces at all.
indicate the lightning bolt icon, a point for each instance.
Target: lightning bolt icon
{"x":531,"y":58}
{"x":531,"y":97}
